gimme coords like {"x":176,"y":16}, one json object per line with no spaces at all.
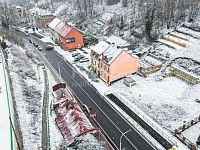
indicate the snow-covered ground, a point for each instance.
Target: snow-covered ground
{"x":193,"y":132}
{"x":28,"y":85}
{"x":5,"y":130}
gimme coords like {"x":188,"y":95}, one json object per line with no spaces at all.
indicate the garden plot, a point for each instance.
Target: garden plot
{"x":189,"y":32}
{"x":190,"y":39}
{"x":170,"y":44}
{"x":169,"y":102}
{"x":178,"y":40}
{"x":192,"y":51}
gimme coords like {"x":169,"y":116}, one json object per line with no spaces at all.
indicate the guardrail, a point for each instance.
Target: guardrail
{"x":144,"y":118}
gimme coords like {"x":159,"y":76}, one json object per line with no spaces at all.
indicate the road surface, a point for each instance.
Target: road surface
{"x":108,"y":118}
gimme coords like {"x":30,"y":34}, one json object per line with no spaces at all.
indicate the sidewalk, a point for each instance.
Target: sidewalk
{"x":5,"y":127}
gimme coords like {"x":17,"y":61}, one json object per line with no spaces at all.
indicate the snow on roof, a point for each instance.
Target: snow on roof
{"x":65,"y":30}
{"x":111,"y":53}
{"x":100,"y":47}
{"x":59,"y":26}
{"x":70,"y":118}
{"x":117,"y":41}
{"x":107,"y":17}
{"x":151,"y":60}
{"x":129,"y":80}
{"x":144,"y":64}
{"x":39,"y":11}
{"x":54,"y":23}
{"x":47,"y":40}
{"x":19,"y":7}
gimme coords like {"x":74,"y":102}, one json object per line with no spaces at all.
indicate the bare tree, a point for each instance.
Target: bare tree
{"x":6,"y":15}
{"x":194,"y":6}
{"x":149,"y":18}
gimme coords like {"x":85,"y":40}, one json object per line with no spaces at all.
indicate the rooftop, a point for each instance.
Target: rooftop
{"x":107,"y":17}
{"x":117,"y":41}
{"x":54,"y":23}
{"x":111,"y":53}
{"x":100,"y":47}
{"x":39,"y":11}
{"x":64,"y":30}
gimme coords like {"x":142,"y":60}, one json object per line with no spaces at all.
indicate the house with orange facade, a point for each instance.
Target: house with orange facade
{"x":68,"y":37}
{"x":110,"y":62}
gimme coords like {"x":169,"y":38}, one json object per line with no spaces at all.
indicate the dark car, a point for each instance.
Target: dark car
{"x":85,"y":52}
{"x":83,"y":60}
{"x":49,"y":47}
{"x":75,"y":54}
{"x":78,"y":58}
{"x":35,"y":44}
{"x":30,"y":41}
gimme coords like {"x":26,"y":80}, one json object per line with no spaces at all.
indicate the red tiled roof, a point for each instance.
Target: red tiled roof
{"x":70,"y":118}
{"x":63,"y":29}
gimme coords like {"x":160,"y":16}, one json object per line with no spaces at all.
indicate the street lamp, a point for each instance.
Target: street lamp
{"x":59,"y":67}
{"x":120,"y":143}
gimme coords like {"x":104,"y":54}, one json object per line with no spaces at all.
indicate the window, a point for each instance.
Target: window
{"x":104,"y":67}
{"x":70,"y":40}
{"x":101,"y":73}
{"x":108,"y":69}
{"x":104,"y":75}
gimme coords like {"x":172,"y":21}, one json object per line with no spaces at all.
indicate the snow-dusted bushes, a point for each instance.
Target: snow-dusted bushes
{"x":28,"y":94}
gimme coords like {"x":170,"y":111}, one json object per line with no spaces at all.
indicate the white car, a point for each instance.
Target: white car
{"x":39,"y":48}
{"x":83,"y":60}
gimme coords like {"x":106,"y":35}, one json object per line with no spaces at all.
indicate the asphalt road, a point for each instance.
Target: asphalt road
{"x":113,"y":124}
{"x":108,"y":118}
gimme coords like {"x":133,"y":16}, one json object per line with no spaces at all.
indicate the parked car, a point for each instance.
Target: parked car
{"x":74,"y":54}
{"x":78,"y":58}
{"x":83,"y":60}
{"x":35,"y":44}
{"x":85,"y":52}
{"x":49,"y":47}
{"x":40,"y":48}
{"x":30,"y":41}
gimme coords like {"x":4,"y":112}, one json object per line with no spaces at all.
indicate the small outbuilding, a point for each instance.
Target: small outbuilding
{"x":128,"y":81}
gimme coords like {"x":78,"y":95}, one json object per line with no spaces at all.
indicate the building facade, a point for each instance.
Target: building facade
{"x":111,"y":63}
{"x":68,"y":37}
